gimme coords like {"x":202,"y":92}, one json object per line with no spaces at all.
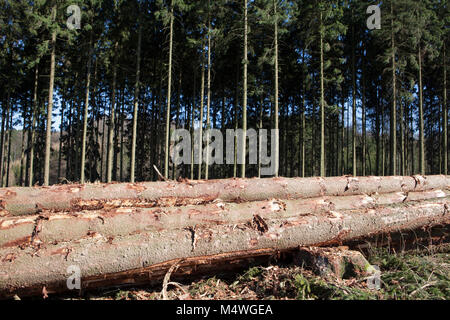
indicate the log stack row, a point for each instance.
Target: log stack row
{"x":133,"y":233}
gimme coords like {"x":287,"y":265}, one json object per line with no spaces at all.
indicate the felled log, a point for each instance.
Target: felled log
{"x":144,"y":256}
{"x":49,"y":227}
{"x":17,"y":201}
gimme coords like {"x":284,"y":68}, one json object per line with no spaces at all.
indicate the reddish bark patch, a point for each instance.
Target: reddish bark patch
{"x":62,"y":251}
{"x":10,"y":194}
{"x":10,"y":257}
{"x":135,"y":186}
{"x":17,"y":242}
{"x":259,"y":224}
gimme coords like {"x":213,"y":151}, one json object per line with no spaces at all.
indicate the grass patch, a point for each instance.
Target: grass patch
{"x":420,"y":274}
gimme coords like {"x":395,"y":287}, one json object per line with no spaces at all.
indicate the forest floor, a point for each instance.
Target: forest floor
{"x":418,"y":274}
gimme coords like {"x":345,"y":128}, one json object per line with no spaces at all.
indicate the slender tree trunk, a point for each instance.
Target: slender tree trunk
{"x":244,"y":103}
{"x":277,"y":143}
{"x":413,"y":158}
{"x":122,"y":123}
{"x":9,"y":146}
{"x":208,"y":105}
{"x":343,"y":163}
{"x":61,"y":128}
{"x":445,"y":118}
{"x":177,"y":120}
{"x":192,"y":126}
{"x":200,"y":125}
{"x":136,"y":106}
{"x":377,"y":135}
{"x":32,"y":129}
{"x":5,"y":159}
{"x":421,"y":126}
{"x":393,"y":124}
{"x":354,"y":124}
{"x":48,"y":136}
{"x":322,"y":103}
{"x":169,"y":93}
{"x":235,"y":114}
{"x":5,"y":106}
{"x":222,"y":128}
{"x":109,"y":168}
{"x":22,"y":149}
{"x":364,"y":124}
{"x":102,"y":160}
{"x":86,"y":111}
{"x":402,"y":141}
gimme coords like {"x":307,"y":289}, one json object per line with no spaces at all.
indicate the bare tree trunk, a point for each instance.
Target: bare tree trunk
{"x":109,"y":168}
{"x":354,"y":124}
{"x":169,"y":93}
{"x":322,"y":104}
{"x":393,"y":126}
{"x":48,"y":136}
{"x":10,"y":132}
{"x":33,"y":124}
{"x":277,"y":143}
{"x":86,"y":110}
{"x":364,"y":133}
{"x":244,"y":103}
{"x":136,"y":106}
{"x":445,"y":118}
{"x":61,"y":128}
{"x":421,"y":126}
{"x":208,"y":105}
{"x":3,"y":142}
{"x":202,"y":101}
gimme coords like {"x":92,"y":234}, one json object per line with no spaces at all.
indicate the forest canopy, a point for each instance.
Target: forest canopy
{"x":92,"y":90}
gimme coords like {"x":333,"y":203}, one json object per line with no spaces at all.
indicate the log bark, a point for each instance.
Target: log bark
{"x":148,"y":254}
{"x":19,"y":201}
{"x":48,"y":227}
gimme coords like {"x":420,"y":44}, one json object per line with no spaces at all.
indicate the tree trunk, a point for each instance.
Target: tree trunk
{"x":33,"y":124}
{"x":277,"y":143}
{"x":10,"y":132}
{"x":200,"y":125}
{"x":109,"y":168}
{"x":169,"y":93}
{"x":445,"y":118}
{"x":244,"y":103}
{"x":208,"y":104}
{"x":354,"y":124}
{"x":322,"y":103}
{"x":393,"y":125}
{"x":86,"y":114}
{"x":22,"y":150}
{"x":421,"y":126}
{"x":48,"y":135}
{"x":136,"y":106}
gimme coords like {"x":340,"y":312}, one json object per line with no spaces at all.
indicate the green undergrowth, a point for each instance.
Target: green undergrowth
{"x":419,"y":274}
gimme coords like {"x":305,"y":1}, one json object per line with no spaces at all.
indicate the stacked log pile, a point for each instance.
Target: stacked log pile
{"x":133,"y":233}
